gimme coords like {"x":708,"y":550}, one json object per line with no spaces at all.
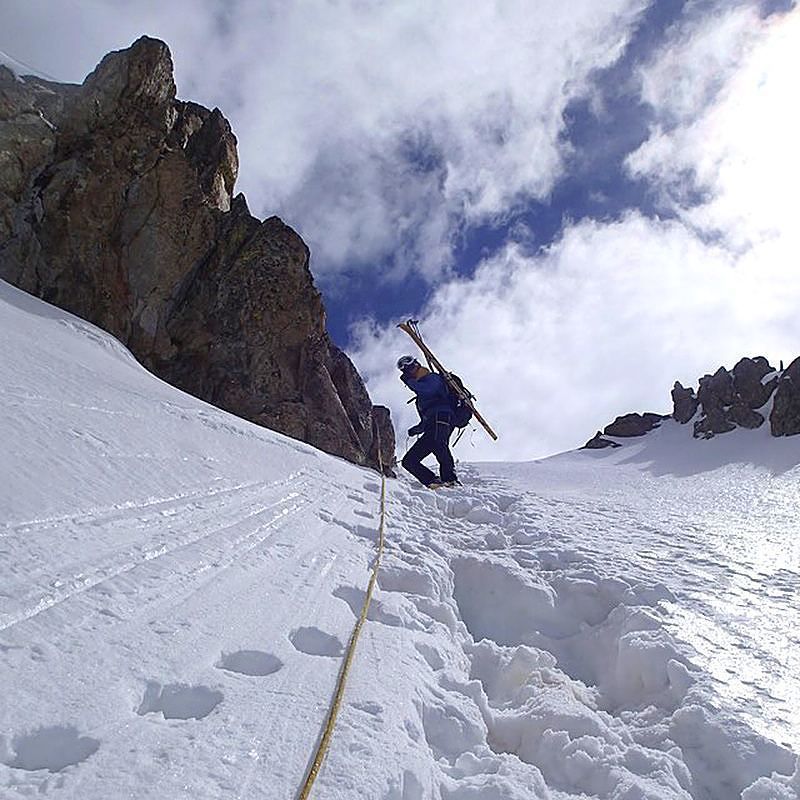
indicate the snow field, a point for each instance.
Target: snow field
{"x":562,"y":671}
{"x":725,"y":541}
{"x":177,"y":587}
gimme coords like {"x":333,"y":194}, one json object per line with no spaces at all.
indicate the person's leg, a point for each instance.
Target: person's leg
{"x":412,"y":460}
{"x":441,"y":448}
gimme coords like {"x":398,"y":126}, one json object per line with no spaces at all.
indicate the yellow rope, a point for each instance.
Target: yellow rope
{"x":324,"y":742}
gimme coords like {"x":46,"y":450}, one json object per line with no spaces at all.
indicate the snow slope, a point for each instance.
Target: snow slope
{"x":177,"y":586}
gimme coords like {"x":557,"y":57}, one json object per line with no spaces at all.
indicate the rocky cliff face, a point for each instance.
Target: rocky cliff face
{"x":116,"y":203}
{"x":724,"y":401}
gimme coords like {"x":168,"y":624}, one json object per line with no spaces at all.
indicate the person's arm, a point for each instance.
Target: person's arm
{"x":414,"y":430}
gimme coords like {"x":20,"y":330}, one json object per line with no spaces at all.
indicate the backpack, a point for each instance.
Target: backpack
{"x":462,"y":413}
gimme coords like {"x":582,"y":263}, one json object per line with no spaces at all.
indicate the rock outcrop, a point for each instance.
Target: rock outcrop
{"x":724,"y":401}
{"x":626,"y":426}
{"x":684,"y":401}
{"x":728,"y":400}
{"x":116,"y":203}
{"x":633,"y":424}
{"x":749,"y":384}
{"x":785,"y":417}
{"x":715,"y":397}
{"x":597,"y":442}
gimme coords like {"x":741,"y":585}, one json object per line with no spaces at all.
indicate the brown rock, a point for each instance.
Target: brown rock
{"x":28,"y":112}
{"x":116,"y":203}
{"x":383,"y":441}
{"x":729,"y":399}
{"x":597,"y":442}
{"x":716,"y":389}
{"x":742,"y":415}
{"x":785,"y":417}
{"x":747,"y":376}
{"x":715,"y":395}
{"x":713,"y":421}
{"x":684,"y":403}
{"x":633,"y":424}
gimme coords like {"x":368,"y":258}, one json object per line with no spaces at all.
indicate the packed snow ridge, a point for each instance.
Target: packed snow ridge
{"x":178,"y":586}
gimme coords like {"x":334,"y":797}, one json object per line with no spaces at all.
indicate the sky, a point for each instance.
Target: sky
{"x":581,"y":203}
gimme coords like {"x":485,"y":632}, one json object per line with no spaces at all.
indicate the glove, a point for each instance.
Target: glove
{"x":416,"y":430}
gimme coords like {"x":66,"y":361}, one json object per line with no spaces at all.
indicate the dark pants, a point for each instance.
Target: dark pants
{"x":435,"y":439}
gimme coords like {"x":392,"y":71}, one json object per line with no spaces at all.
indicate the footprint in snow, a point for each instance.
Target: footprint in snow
{"x":54,"y":748}
{"x":250,"y":662}
{"x":504,"y":502}
{"x":431,"y":655}
{"x":368,"y":707}
{"x":400,"y":578}
{"x":179,"y":701}
{"x":377,"y":612}
{"x":362,"y":531}
{"x":483,"y":515}
{"x":353,"y":596}
{"x":38,"y":653}
{"x":315,"y":642}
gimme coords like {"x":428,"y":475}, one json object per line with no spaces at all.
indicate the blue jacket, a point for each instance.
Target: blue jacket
{"x":432,"y":395}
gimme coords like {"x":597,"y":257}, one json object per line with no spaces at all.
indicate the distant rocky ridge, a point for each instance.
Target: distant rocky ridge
{"x":116,"y":203}
{"x":723,"y":402}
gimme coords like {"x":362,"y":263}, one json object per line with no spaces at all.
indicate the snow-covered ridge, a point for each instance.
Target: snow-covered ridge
{"x":177,"y":586}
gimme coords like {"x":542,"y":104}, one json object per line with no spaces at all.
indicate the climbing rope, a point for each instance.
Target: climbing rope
{"x":327,"y":733}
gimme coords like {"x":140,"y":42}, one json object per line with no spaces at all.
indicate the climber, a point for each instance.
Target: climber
{"x":436,"y":424}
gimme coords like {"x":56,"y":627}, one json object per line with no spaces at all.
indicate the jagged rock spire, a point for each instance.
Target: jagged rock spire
{"x":119,"y":207}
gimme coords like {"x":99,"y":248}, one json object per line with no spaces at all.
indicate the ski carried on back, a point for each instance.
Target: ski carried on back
{"x":454,"y":383}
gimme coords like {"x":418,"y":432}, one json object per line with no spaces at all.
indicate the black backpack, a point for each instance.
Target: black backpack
{"x":462,"y":413}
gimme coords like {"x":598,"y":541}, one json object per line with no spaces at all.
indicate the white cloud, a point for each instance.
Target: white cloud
{"x":557,"y":345}
{"x":735,"y":137}
{"x":325,"y":98}
{"x":685,"y":76}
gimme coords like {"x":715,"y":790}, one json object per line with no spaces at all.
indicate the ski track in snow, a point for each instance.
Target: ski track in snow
{"x":167,"y":591}
{"x":177,"y":588}
{"x":212,"y":547}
